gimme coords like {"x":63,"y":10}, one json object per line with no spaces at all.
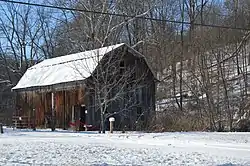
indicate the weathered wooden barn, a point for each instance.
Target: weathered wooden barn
{"x":86,"y":89}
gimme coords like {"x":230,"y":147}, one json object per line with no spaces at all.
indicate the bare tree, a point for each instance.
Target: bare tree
{"x":26,"y":32}
{"x":26,"y":38}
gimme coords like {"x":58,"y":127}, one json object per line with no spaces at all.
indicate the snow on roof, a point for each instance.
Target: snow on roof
{"x":68,"y":68}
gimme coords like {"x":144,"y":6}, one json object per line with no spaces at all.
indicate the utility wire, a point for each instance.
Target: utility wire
{"x":125,"y":16}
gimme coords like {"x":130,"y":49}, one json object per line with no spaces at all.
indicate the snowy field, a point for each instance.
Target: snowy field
{"x":88,"y":148}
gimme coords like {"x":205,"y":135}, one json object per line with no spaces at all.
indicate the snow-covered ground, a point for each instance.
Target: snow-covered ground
{"x":88,"y":148}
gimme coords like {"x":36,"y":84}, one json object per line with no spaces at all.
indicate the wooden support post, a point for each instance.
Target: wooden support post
{"x":33,"y":113}
{"x":53,"y":112}
{"x":74,"y":127}
{"x":1,"y":128}
{"x":64,"y":110}
{"x":34,"y":119}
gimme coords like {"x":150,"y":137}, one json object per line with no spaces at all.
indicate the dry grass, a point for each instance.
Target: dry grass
{"x":169,"y":122}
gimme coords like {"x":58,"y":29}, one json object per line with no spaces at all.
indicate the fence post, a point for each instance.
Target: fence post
{"x":1,"y":128}
{"x":111,"y":120}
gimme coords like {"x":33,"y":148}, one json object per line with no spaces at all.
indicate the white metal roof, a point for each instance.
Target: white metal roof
{"x":73,"y":67}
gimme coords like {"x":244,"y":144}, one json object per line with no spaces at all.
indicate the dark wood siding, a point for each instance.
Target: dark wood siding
{"x":136,"y":101}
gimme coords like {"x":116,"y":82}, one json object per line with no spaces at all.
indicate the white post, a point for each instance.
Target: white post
{"x":73,"y":118}
{"x":53,"y":112}
{"x":111,"y":120}
{"x":73,"y":115}
{"x":52,"y":101}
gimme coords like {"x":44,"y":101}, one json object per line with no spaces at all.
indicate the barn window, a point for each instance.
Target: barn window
{"x":122,"y":64}
{"x":122,"y":67}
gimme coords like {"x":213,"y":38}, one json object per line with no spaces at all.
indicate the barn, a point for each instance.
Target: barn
{"x":83,"y":90}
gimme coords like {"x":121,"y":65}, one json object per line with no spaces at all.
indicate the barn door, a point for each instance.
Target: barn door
{"x":82,"y":117}
{"x":79,"y":116}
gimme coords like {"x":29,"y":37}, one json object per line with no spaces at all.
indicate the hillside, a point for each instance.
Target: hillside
{"x":214,"y":89}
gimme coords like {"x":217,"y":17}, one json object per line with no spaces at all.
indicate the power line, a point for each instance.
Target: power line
{"x":125,"y":16}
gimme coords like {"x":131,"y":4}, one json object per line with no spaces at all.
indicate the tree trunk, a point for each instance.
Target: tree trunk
{"x":102,"y":121}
